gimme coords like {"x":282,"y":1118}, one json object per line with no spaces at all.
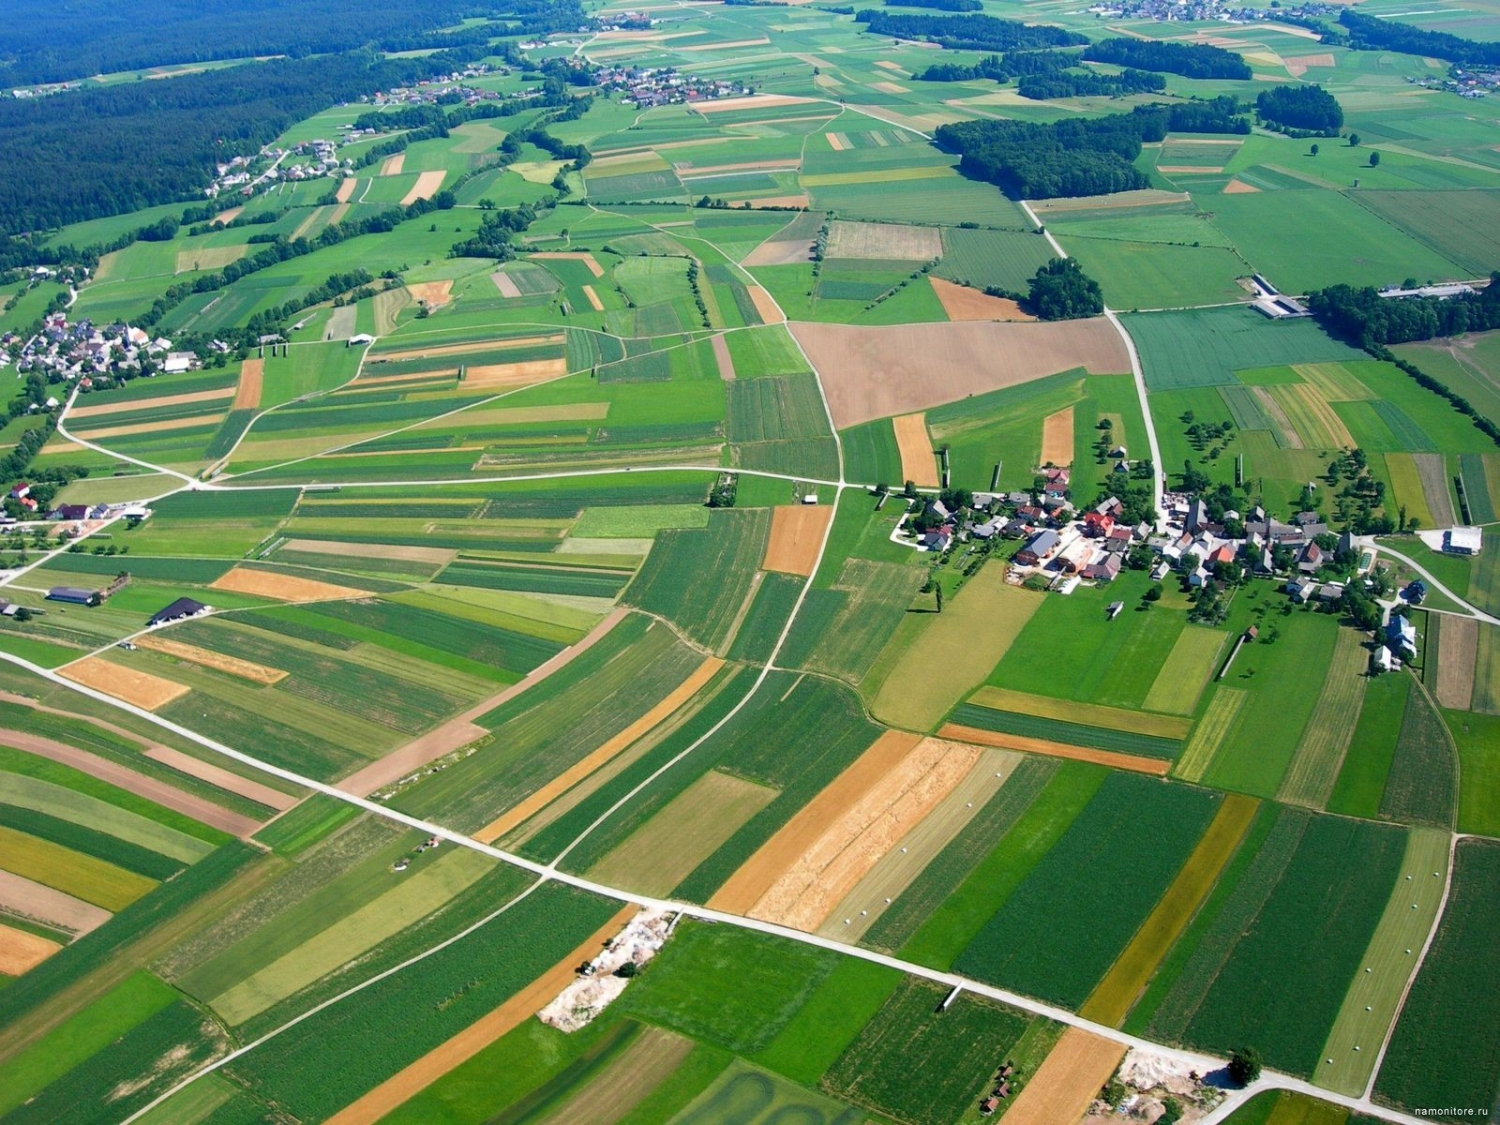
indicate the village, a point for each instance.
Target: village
{"x":95,"y":356}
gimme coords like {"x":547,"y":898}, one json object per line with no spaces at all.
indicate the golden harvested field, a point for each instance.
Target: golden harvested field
{"x":478,"y":1035}
{"x":776,"y":856}
{"x":247,"y":392}
{"x":129,"y":684}
{"x":688,"y":829}
{"x":949,"y":655}
{"x":152,"y":427}
{"x":283,"y":587}
{"x":426,"y":187}
{"x":848,"y":848}
{"x":21,"y":951}
{"x":593,"y":761}
{"x":1237,"y":186}
{"x":733,"y":43}
{"x":755,"y":101}
{"x":1068,"y":1080}
{"x":107,"y":408}
{"x":796,"y":537}
{"x":1458,"y":649}
{"x":1090,"y":714}
{"x":1157,"y":767}
{"x":432,"y":293}
{"x":393,"y":165}
{"x":961,"y":302}
{"x":583,"y":256}
{"x":491,"y":375}
{"x":206,"y":658}
{"x":397,"y":551}
{"x":918,"y":461}
{"x":1057,"y":438}
{"x":871,"y":373}
{"x":346,"y":189}
{"x":593,"y":298}
{"x":1117,"y":993}
{"x":884,"y":240}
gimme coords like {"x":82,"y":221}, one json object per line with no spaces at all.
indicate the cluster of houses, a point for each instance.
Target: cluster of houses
{"x":646,"y":86}
{"x":93,"y":354}
{"x":1001,"y":1089}
{"x":1179,"y":10}
{"x":445,"y":89}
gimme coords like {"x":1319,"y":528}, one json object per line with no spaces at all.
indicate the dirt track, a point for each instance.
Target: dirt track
{"x":1001,"y":741}
{"x":796,"y":537}
{"x":871,"y":373}
{"x":918,"y":461}
{"x":478,"y":1035}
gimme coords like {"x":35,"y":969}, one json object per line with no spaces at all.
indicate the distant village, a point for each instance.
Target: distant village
{"x":94,"y":356}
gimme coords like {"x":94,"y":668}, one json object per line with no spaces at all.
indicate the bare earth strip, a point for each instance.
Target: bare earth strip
{"x":463,"y":349}
{"x":581,"y":769}
{"x":870,"y":373}
{"x":723,"y":359}
{"x":371,"y":550}
{"x":21,"y":952}
{"x":583,"y":256}
{"x":770,"y":312}
{"x":796,"y":537}
{"x":849,"y":847}
{"x":755,"y":101}
{"x":593,"y":298}
{"x":862,"y":907}
{"x":478,"y":1035}
{"x":148,"y":787}
{"x":346,"y":189}
{"x":426,"y":187}
{"x":513,"y":374}
{"x":22,"y":897}
{"x":283,"y":587}
{"x":207,"y":658}
{"x":130,"y":684}
{"x":760,"y":872}
{"x":460,"y":730}
{"x":1432,"y":470}
{"x":152,"y":427}
{"x":1057,"y":438}
{"x":918,"y":461}
{"x":1240,"y":187}
{"x":961,"y":302}
{"x":1158,"y":767}
{"x":1458,"y":647}
{"x":247,"y":393}
{"x":393,"y":165}
{"x":780,"y":253}
{"x":505,"y":283}
{"x":1068,"y":1080}
{"x":221,"y":778}
{"x":227,"y":216}
{"x":162,"y":403}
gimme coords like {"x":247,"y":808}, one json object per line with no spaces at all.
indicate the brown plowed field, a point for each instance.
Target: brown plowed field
{"x":464,"y":349}
{"x":1458,"y":646}
{"x":460,"y":730}
{"x":222,"y":778}
{"x":27,"y":899}
{"x":848,"y":848}
{"x":961,"y":302}
{"x":478,"y":1035}
{"x":760,"y":872}
{"x":393,"y":165}
{"x":1002,"y":741}
{"x":150,"y":427}
{"x":21,"y":951}
{"x":130,"y":684}
{"x":346,"y":189}
{"x":433,"y":293}
{"x":106,"y":408}
{"x":491,"y":375}
{"x":870,"y":373}
{"x":505,"y":283}
{"x":918,"y":461}
{"x":588,"y":291}
{"x":796,"y":537}
{"x":1057,"y":438}
{"x":1068,"y":1080}
{"x":591,"y":762}
{"x":247,"y":393}
{"x":723,"y":359}
{"x":1239,"y":187}
{"x":207,"y":658}
{"x":283,"y":587}
{"x":770,"y":312}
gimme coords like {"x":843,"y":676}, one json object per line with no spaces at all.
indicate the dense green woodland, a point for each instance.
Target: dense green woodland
{"x":979,"y":33}
{"x":1197,"y":60}
{"x":48,"y":42}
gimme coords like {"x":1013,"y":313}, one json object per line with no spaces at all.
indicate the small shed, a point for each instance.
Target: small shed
{"x":1114,"y":609}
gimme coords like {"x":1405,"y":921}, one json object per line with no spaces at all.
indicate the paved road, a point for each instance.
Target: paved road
{"x":1427,"y":576}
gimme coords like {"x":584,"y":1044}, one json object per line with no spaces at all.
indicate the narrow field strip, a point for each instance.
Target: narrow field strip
{"x":1180,"y":682}
{"x":73,"y":873}
{"x":282,"y":587}
{"x":918,"y":462}
{"x":26,"y":898}
{"x":1000,"y":740}
{"x":1213,"y":730}
{"x":141,"y":689}
{"x":1117,"y":993}
{"x":1085,"y":714}
{"x":1067,"y":1081}
{"x":229,"y":665}
{"x":1310,"y":779}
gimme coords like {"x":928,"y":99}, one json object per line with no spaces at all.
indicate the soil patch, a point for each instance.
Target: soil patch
{"x":130,"y":684}
{"x":461,"y":730}
{"x":848,"y":848}
{"x":963,"y":302}
{"x":918,"y":461}
{"x":593,"y":298}
{"x":1003,"y":741}
{"x":478,"y":1035}
{"x":723,"y":359}
{"x":464,"y":349}
{"x":229,"y":665}
{"x":432,"y":293}
{"x":1458,"y":646}
{"x":1068,"y":1080}
{"x":770,"y":312}
{"x":775,"y":857}
{"x":796,"y":537}
{"x":755,"y":101}
{"x":1239,"y":187}
{"x":21,"y":896}
{"x":393,"y":165}
{"x":247,"y":392}
{"x":283,"y":587}
{"x":425,"y":188}
{"x":870,"y":373}
{"x":583,"y":256}
{"x":505,"y":283}
{"x":221,"y":778}
{"x":591,"y":762}
{"x":1057,"y":438}
{"x":106,"y":408}
{"x":346,"y":189}
{"x":491,"y":375}
{"x":20,"y":951}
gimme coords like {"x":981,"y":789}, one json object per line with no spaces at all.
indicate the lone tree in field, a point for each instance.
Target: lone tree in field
{"x":1353,"y":140}
{"x":1313,"y":150}
{"x":1374,"y":160}
{"x":1244,"y":1065}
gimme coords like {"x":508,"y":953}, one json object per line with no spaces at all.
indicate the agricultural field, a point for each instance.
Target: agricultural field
{"x":522,"y":599}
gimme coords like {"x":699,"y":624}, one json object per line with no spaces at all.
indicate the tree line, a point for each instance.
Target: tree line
{"x":939,"y":5}
{"x":969,"y":32}
{"x":1366,"y":33}
{"x":1191,"y":60}
{"x":1304,"y":110}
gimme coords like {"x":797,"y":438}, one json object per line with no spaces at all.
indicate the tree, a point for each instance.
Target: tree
{"x":1244,"y":1065}
{"x":1353,"y":140}
{"x":23,"y":615}
{"x":1313,"y":151}
{"x":938,"y":590}
{"x":1374,"y":160}
{"x":1060,"y":290}
{"x":1152,"y":594}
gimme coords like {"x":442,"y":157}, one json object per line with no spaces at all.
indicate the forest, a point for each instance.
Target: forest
{"x":1310,"y":109}
{"x":938,"y":5}
{"x":1363,"y":315}
{"x":978,"y":33}
{"x":1198,"y":60}
{"x":1369,"y":34}
{"x":1088,"y":84}
{"x":49,"y":42}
